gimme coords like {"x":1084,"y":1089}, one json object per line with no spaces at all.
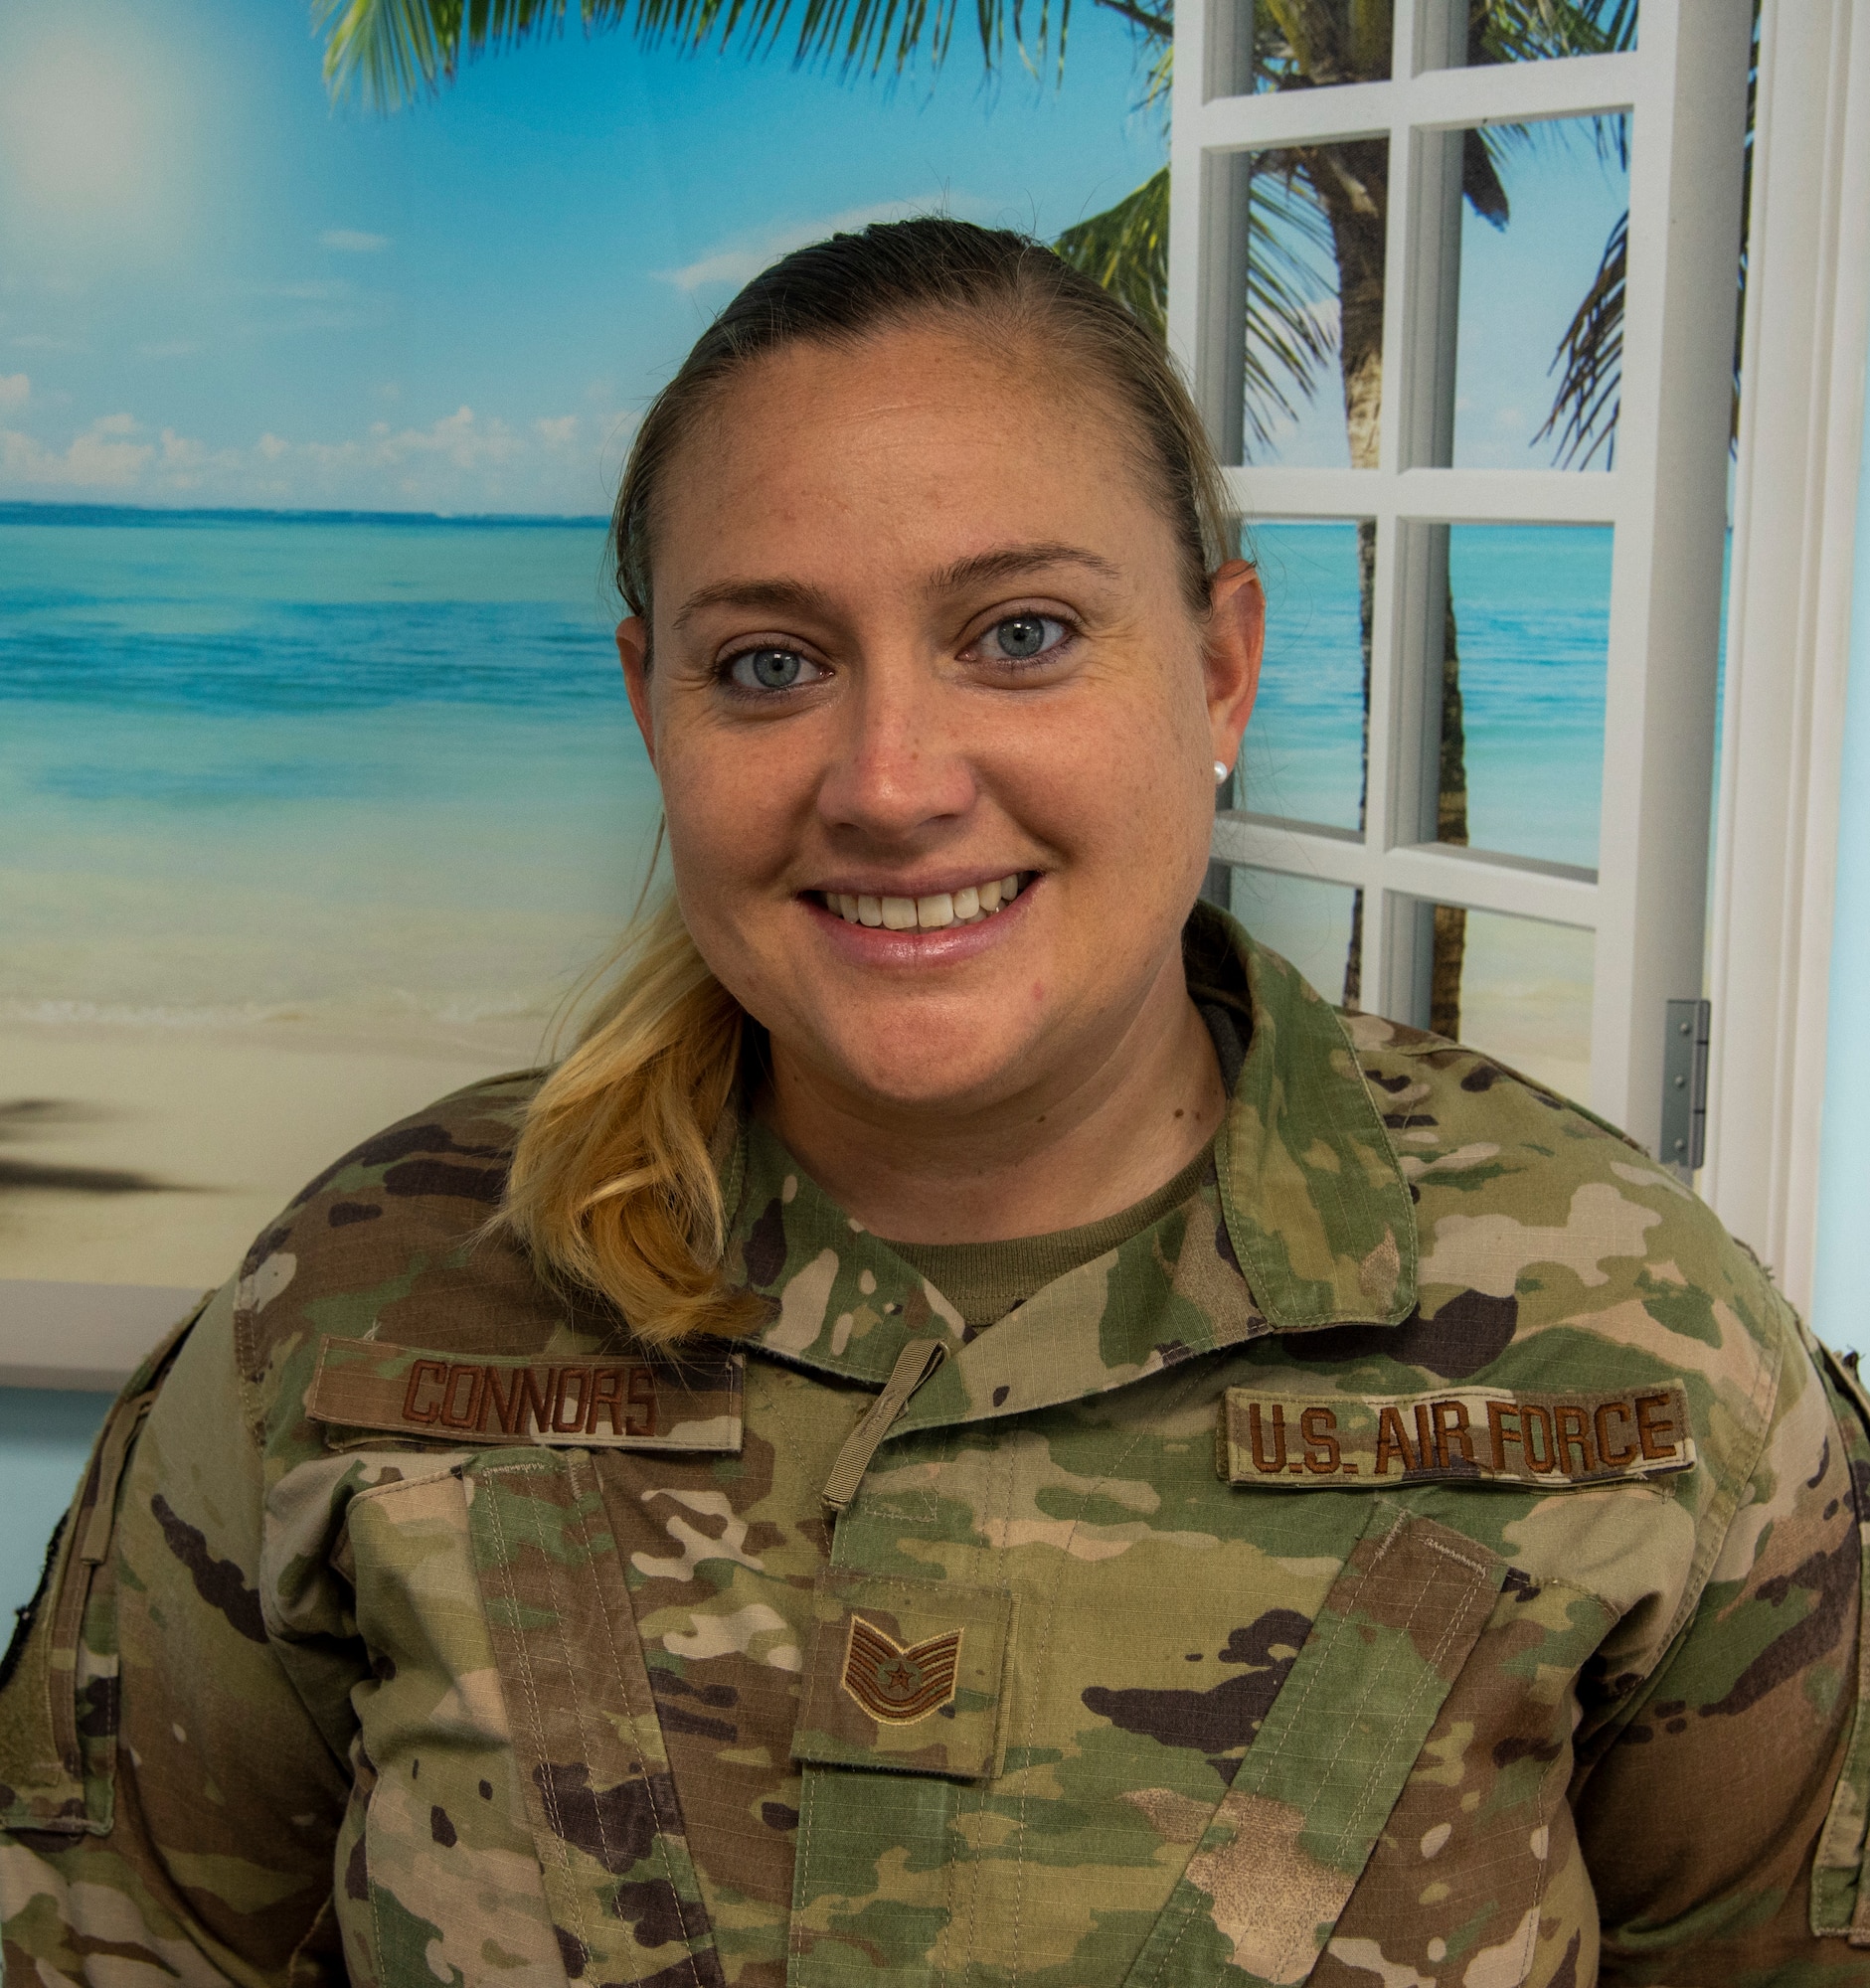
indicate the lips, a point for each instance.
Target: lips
{"x":972,"y":905}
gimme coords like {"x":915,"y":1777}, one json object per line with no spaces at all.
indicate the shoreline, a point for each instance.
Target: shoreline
{"x":153,"y":1152}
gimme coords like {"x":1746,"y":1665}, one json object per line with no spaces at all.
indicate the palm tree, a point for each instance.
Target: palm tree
{"x":1336,"y":197}
{"x":1317,"y":215}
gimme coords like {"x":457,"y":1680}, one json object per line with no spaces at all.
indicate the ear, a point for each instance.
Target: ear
{"x":632,"y":648}
{"x":1233,"y":644}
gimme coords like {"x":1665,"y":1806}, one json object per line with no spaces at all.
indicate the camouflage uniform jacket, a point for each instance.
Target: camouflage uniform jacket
{"x":1431,"y":1555}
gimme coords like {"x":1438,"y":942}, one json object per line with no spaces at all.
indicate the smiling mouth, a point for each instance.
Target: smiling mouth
{"x":972,"y":905}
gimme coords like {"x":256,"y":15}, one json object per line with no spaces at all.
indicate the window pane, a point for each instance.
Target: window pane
{"x":1525,"y":996}
{"x":1531,"y":609}
{"x":1540,"y":319}
{"x":1303,"y":919}
{"x":1345,"y":40}
{"x":1310,"y":235}
{"x":1515,"y":33}
{"x":1304,"y":752}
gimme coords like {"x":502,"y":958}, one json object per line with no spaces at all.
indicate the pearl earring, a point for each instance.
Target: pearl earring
{"x":1221,"y":772}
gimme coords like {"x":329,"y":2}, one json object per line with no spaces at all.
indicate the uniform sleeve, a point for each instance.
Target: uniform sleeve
{"x":1723,"y":1829}
{"x":167,"y":1799}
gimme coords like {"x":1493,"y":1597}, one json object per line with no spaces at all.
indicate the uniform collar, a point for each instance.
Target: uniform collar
{"x":1305,"y":1221}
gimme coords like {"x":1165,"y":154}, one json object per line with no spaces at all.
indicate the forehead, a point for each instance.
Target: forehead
{"x":922,"y":437}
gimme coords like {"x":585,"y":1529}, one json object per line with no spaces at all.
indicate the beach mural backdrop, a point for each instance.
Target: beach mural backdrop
{"x":318,"y":792}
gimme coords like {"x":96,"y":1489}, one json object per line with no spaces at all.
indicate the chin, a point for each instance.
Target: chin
{"x":930,"y":1068}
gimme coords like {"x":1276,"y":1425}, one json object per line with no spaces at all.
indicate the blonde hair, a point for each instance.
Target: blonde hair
{"x":616,"y":1182}
{"x":613,"y":1183}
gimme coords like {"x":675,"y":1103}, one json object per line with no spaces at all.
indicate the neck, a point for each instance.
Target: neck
{"x":1075,"y":1146}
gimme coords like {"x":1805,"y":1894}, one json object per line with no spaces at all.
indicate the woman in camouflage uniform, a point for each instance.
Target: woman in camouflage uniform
{"x":1291,"y":1501}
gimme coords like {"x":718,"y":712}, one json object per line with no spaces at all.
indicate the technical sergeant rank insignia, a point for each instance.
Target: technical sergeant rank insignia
{"x":897,"y":1686}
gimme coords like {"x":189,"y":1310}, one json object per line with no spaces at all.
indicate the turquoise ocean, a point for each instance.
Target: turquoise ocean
{"x":378,"y":771}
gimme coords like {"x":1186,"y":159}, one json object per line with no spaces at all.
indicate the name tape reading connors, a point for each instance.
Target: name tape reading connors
{"x":617,"y":1403}
{"x":1463,"y":1436}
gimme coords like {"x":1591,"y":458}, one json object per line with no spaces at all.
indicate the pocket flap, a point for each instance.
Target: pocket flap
{"x":1285,"y":1848}
{"x":620,"y":1883}
{"x":907,"y":1675}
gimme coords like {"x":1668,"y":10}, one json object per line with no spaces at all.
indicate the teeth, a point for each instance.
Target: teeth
{"x":966,"y":906}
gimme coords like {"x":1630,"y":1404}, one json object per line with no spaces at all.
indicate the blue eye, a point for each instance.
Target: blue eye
{"x":1021,"y":637}
{"x":768,"y":669}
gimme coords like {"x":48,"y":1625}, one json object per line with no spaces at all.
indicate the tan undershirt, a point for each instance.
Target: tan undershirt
{"x":983,"y":1281}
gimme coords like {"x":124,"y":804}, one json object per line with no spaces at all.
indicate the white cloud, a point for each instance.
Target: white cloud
{"x":465,"y":462}
{"x":41,"y":341}
{"x":353,"y":242}
{"x":739,"y":261}
{"x":15,"y":390}
{"x":104,"y":457}
{"x":460,"y":440}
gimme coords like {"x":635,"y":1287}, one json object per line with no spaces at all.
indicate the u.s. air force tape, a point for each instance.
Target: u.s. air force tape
{"x":1465,"y":1435}
{"x":626,"y":1401}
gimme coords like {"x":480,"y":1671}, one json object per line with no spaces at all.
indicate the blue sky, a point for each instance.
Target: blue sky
{"x":216,"y":289}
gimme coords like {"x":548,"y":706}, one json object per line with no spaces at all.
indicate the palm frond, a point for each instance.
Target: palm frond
{"x":1590,"y":395}
{"x":390,"y":51}
{"x":1515,"y":31}
{"x":1290,"y":339}
{"x":1126,"y":249}
{"x":1292,"y":281}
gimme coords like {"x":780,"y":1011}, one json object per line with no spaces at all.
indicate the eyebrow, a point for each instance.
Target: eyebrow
{"x":1007,"y":562}
{"x":1010,"y":562}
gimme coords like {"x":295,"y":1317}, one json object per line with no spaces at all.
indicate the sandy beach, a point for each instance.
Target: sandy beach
{"x":154,"y":1155}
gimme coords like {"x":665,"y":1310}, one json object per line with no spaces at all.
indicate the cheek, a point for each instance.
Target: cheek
{"x":725,"y":802}
{"x":1144,"y":784}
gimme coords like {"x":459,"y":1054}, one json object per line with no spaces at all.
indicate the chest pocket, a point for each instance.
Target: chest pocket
{"x":1277,"y":1863}
{"x":622,"y":1886}
{"x":513,"y":1807}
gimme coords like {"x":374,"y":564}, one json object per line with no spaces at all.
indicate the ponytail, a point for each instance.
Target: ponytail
{"x":614,"y":1184}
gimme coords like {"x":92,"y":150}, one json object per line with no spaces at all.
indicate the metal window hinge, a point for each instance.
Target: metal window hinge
{"x":1684,"y":1144}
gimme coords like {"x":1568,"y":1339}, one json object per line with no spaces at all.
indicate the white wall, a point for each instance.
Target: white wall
{"x":1840,"y":1303}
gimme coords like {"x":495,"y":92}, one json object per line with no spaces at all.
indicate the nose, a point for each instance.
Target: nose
{"x":901,"y":765}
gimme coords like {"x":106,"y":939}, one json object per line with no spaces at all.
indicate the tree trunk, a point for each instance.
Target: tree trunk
{"x":1351,"y":183}
{"x":1366,"y":603}
{"x":1451,"y":825}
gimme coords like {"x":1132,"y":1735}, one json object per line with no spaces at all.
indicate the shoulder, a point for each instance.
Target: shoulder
{"x":1553,"y":1252}
{"x":392,"y":1242}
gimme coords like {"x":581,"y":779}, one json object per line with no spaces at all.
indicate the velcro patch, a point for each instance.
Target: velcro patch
{"x":906,"y":1675}
{"x":1466,"y":1436}
{"x":631,"y":1402}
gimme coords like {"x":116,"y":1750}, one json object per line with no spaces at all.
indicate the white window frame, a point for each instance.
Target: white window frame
{"x":1796,"y":482}
{"x":1684,"y":87}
